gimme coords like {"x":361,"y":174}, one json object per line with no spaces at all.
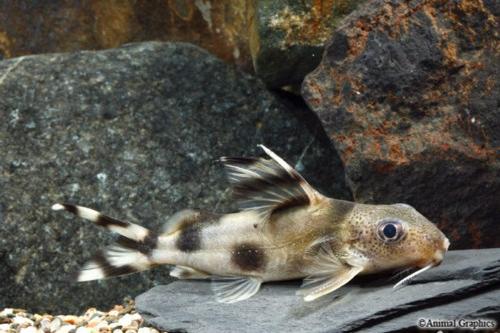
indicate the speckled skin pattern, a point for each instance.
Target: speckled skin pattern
{"x":284,"y":247}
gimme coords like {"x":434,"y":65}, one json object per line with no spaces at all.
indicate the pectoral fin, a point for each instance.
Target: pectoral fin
{"x":235,"y":289}
{"x":322,"y":285}
{"x":330,"y":270}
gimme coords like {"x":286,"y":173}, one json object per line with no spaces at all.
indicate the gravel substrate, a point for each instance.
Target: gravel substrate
{"x":120,"y":319}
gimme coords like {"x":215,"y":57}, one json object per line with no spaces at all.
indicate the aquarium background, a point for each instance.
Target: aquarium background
{"x":125,"y":106}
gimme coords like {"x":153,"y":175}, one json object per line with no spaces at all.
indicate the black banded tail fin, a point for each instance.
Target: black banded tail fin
{"x":131,"y":253}
{"x":126,"y":229}
{"x":113,"y":261}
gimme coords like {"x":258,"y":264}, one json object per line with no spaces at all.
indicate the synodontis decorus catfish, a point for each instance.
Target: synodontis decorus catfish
{"x":285,"y":230}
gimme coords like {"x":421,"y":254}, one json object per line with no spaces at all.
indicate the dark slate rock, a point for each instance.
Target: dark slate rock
{"x":466,"y":284}
{"x":408,"y":92}
{"x":134,"y":132}
{"x":290,"y":36}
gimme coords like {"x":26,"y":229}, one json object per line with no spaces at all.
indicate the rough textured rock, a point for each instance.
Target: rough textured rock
{"x":289,"y":37}
{"x":33,"y":27}
{"x":409,"y":94}
{"x":467,"y":284}
{"x":284,"y":39}
{"x":134,"y":132}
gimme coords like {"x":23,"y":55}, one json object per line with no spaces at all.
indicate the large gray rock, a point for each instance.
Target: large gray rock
{"x":408,"y":91}
{"x":466,"y":285}
{"x":133,"y":132}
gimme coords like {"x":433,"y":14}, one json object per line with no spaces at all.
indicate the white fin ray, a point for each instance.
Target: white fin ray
{"x":89,"y":272}
{"x":234,"y":289}
{"x":265,"y":186}
{"x":325,"y":285}
{"x":324,"y":259}
{"x":310,"y":191}
{"x":329,"y":272}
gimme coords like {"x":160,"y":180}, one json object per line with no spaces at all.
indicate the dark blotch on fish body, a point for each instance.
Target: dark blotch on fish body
{"x":189,"y":239}
{"x":248,"y":257}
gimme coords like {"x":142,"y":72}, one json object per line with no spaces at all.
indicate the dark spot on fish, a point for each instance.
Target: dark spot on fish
{"x":248,"y":257}
{"x":71,"y":208}
{"x":106,"y":222}
{"x":189,"y":239}
{"x":145,"y":246}
{"x":255,"y":225}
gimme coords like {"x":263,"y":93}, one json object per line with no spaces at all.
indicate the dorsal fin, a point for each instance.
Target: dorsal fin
{"x":268,"y":185}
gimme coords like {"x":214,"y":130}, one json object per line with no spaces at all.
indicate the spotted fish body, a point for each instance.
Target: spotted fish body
{"x":284,"y":230}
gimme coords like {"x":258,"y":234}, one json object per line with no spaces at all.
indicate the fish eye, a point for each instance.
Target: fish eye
{"x":390,"y":231}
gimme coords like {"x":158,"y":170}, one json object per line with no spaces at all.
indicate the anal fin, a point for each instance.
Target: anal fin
{"x":230,"y":289}
{"x":184,"y":273}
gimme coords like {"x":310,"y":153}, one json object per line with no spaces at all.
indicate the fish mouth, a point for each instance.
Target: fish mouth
{"x":446,"y":244}
{"x":439,"y":254}
{"x":436,"y":260}
{"x":424,"y":265}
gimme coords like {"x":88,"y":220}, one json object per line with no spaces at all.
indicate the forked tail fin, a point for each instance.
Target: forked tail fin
{"x":131,"y":253}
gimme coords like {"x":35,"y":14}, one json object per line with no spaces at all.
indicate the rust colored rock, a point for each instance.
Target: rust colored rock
{"x":282,"y":39}
{"x":288,"y":37}
{"x":33,"y":27}
{"x":409,"y":94}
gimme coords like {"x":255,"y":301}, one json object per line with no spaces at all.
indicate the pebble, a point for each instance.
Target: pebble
{"x":145,"y":330}
{"x":55,"y":325}
{"x":83,"y":329}
{"x":7,"y":312}
{"x":22,"y":321}
{"x":29,"y":329}
{"x":4,"y":327}
{"x":125,"y":320}
{"x":120,"y":319}
{"x":66,"y":329}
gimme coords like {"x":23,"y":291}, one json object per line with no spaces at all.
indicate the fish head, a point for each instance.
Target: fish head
{"x":397,"y":236}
